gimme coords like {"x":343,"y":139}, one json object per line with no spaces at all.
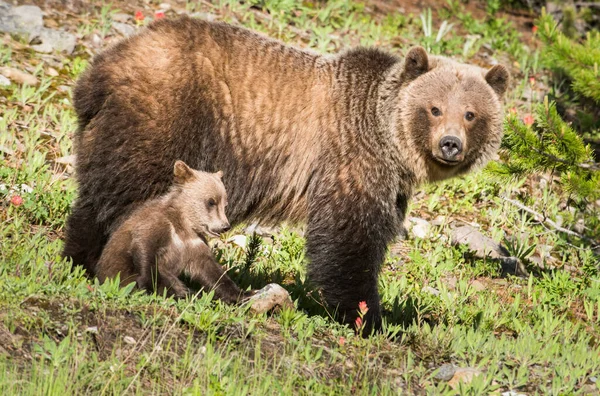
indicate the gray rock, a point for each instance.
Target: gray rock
{"x":207,"y":16}
{"x":431,"y":290}
{"x":4,"y":81}
{"x":484,"y":247}
{"x":419,"y":228}
{"x":445,"y":372}
{"x":269,"y":297}
{"x":123,"y":29}
{"x":478,"y":243}
{"x":121,"y":17}
{"x":24,"y":20}
{"x":55,"y":40}
{"x":28,"y":21}
{"x":463,"y":375}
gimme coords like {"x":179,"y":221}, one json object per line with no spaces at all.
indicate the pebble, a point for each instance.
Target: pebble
{"x":18,"y":76}
{"x":92,"y":329}
{"x":52,"y":72}
{"x":121,"y":17}
{"x":419,"y":228}
{"x":269,"y":297}
{"x":28,"y":21}
{"x":129,"y":340}
{"x":481,"y":245}
{"x":464,"y":375}
{"x":445,"y":372}
{"x":55,"y":40}
{"x":431,"y":290}
{"x":123,"y":29}
{"x":4,"y":81}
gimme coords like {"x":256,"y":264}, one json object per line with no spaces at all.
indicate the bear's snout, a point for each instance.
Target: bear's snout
{"x":452,"y":148}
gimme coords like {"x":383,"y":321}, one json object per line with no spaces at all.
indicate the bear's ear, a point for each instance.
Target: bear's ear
{"x":416,"y":63}
{"x":498,"y":78}
{"x":182,"y":172}
{"x":219,"y":174}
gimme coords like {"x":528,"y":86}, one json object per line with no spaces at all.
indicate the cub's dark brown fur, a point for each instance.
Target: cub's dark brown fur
{"x":166,"y":237}
{"x":336,"y":141}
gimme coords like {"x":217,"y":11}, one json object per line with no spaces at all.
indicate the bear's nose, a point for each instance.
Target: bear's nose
{"x":226,"y":228}
{"x":451,"y":146}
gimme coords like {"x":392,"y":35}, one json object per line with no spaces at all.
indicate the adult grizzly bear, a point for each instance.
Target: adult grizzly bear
{"x":338,"y":142}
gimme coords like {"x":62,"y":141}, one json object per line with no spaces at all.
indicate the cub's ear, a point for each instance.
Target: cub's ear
{"x":498,"y":78}
{"x":219,"y":174}
{"x":182,"y":172}
{"x":416,"y":63}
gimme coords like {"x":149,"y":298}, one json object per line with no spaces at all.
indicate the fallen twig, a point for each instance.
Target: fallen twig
{"x":545,"y":220}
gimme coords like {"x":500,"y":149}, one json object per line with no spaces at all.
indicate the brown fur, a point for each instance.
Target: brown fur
{"x":339,"y":141}
{"x":166,"y":237}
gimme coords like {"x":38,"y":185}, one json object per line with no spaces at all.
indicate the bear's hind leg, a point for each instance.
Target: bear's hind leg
{"x":84,"y":238}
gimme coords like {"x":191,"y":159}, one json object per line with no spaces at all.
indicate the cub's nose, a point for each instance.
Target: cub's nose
{"x":451,"y":147}
{"x":225,"y":228}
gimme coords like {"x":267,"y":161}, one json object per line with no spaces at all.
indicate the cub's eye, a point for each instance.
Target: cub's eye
{"x":436,"y":112}
{"x":212,"y":202}
{"x":469,"y":116}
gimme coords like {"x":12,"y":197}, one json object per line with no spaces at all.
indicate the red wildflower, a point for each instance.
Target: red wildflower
{"x":342,"y":341}
{"x":513,"y":110}
{"x":90,"y":288}
{"x":532,"y":80}
{"x":362,"y":306}
{"x":358,"y":322}
{"x":16,"y":200}
{"x":534,"y":29}
{"x":139,"y":16}
{"x":159,"y":15}
{"x":528,"y":119}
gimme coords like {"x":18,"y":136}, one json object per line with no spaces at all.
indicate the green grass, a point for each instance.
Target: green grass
{"x":61,"y":333}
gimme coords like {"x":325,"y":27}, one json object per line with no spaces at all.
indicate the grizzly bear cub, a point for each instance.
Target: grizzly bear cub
{"x":166,"y":237}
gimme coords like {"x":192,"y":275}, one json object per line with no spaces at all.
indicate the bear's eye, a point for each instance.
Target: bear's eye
{"x":469,"y":116}
{"x":436,"y":112}
{"x":212,"y":202}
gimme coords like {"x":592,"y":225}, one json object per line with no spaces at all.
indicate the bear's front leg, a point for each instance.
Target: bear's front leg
{"x":346,"y":245}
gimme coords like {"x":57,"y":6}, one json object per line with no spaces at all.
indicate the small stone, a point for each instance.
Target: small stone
{"x":431,"y":290}
{"x":55,"y":40}
{"x":450,"y":282}
{"x":164,"y":6}
{"x":124,"y":29}
{"x":129,"y":340}
{"x":25,"y":20}
{"x":445,"y":372}
{"x":477,"y":285}
{"x":420,"y":228}
{"x":96,"y":40}
{"x":513,"y":393}
{"x":269,"y":297}
{"x":92,"y":329}
{"x":438,"y":221}
{"x":4,"y":81}
{"x":464,"y":375}
{"x":121,"y":17}
{"x":481,"y":245}
{"x":18,"y":76}
{"x":66,"y":160}
{"x":207,"y":16}
{"x":52,"y":72}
